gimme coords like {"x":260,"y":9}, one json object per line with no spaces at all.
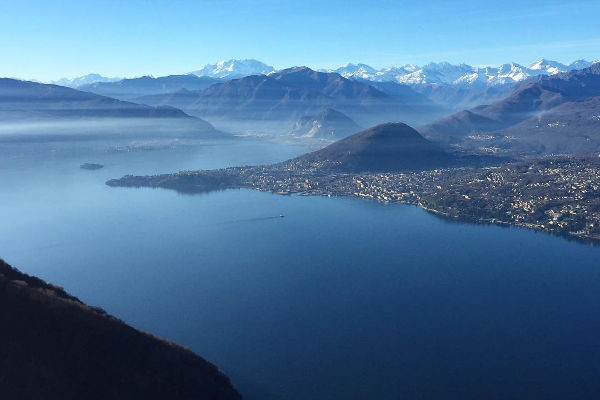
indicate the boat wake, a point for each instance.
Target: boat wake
{"x":244,"y":220}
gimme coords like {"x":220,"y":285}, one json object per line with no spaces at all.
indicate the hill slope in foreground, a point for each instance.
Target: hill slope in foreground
{"x":53,"y":346}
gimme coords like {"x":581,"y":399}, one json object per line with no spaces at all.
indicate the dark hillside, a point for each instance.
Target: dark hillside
{"x":53,"y":346}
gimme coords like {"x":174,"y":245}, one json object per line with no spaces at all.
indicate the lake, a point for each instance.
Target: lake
{"x":341,"y":299}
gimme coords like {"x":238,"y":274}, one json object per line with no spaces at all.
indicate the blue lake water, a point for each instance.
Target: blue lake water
{"x":341,"y":299}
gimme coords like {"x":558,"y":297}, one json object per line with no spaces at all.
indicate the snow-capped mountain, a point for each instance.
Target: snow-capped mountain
{"x":363,"y":71}
{"x":549,"y":66}
{"x":553,"y":67}
{"x":83,"y":80}
{"x":463,"y":74}
{"x":409,"y":74}
{"x":436,"y":73}
{"x":581,"y":64}
{"x":358,"y":71}
{"x":234,"y":69}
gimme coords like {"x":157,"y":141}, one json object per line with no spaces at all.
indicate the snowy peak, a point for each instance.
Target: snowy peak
{"x":409,"y":74}
{"x":581,"y":64}
{"x":462,"y":74}
{"x":550,"y":67}
{"x":357,"y":71}
{"x":234,"y":69}
{"x":364,"y":71}
{"x":443,"y":72}
{"x":83,"y":80}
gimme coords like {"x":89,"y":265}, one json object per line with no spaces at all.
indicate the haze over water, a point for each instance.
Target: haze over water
{"x":342,"y":298}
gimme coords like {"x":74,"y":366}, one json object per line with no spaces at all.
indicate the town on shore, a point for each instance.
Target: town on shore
{"x":559,"y":195}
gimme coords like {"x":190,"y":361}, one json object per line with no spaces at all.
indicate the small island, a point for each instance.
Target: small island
{"x":91,"y":166}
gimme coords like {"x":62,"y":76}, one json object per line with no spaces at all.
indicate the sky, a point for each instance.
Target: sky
{"x":50,"y":39}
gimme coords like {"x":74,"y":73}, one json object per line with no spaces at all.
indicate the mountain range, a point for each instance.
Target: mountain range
{"x":462,"y":74}
{"x":126,"y":89}
{"x":546,"y":114}
{"x":495,"y":109}
{"x":30,"y":107}
{"x":451,"y":87}
{"x":275,"y":101}
{"x":231,"y":69}
{"x":83,"y":80}
{"x":438,"y":73}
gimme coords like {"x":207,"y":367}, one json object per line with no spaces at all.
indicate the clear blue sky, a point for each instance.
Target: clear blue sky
{"x":52,"y":38}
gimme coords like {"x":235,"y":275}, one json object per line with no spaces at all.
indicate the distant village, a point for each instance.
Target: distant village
{"x":559,"y":195}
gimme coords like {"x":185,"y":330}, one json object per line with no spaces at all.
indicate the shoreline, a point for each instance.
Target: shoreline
{"x":556,"y":196}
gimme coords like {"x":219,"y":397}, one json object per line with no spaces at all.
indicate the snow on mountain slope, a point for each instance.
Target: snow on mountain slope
{"x":234,"y":69}
{"x":83,"y":80}
{"x":432,"y":73}
{"x":463,"y":74}
{"x":581,"y":64}
{"x":357,"y":71}
{"x":550,"y":67}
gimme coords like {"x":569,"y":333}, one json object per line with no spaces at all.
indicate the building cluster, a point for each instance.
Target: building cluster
{"x":557,"y":195}
{"x":560,"y":195}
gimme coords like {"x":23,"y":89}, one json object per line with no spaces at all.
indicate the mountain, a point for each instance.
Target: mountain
{"x":444,"y":73}
{"x":53,"y":346}
{"x":126,"y":89}
{"x":581,"y":64}
{"x":275,"y":101}
{"x":354,"y":71}
{"x":571,"y":127}
{"x":410,"y":95}
{"x":387,"y":147}
{"x":326,"y":84}
{"x":550,"y":67}
{"x":39,"y":100}
{"x":457,"y":87}
{"x":83,"y":80}
{"x":366,"y":72}
{"x":29,"y":107}
{"x":515,"y":120}
{"x":459,"y":97}
{"x":234,"y":69}
{"x":439,"y":73}
{"x":328,"y":124}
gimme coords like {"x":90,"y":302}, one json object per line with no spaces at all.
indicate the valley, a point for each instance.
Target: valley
{"x":312,"y":146}
{"x":215,"y":273}
{"x":299,"y":200}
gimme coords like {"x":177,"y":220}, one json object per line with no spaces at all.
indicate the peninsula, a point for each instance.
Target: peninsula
{"x":393,"y":163}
